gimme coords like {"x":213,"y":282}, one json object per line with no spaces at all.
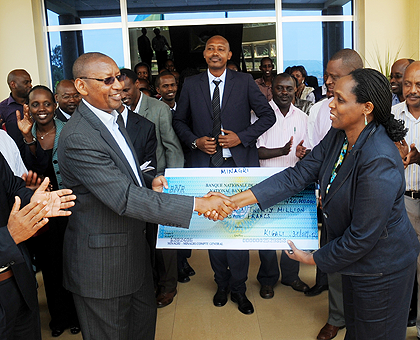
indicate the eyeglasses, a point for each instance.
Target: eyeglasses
{"x":68,"y":96}
{"x":109,"y":80}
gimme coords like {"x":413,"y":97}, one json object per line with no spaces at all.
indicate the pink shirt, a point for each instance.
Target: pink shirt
{"x":322,"y":122}
{"x":295,"y":124}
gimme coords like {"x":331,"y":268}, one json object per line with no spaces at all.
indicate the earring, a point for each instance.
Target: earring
{"x":366,"y":122}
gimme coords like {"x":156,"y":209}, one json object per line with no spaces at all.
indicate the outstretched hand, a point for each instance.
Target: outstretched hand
{"x":25,"y":123}
{"x":57,"y":201}
{"x":299,"y":255}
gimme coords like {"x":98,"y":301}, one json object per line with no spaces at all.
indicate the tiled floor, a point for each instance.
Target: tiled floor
{"x":289,"y":315}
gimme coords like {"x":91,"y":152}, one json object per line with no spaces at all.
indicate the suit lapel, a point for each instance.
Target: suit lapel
{"x":205,"y":88}
{"x":132,"y":127}
{"x":144,"y":106}
{"x":230,"y":82}
{"x":96,"y":124}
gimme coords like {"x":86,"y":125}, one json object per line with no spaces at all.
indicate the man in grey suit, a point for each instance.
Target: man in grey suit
{"x":168,"y":151}
{"x":106,"y":256}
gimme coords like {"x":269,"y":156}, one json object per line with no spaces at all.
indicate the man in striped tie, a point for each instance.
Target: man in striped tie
{"x":213,"y":119}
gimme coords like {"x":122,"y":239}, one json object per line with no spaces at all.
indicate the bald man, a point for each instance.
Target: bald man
{"x":107,"y":263}
{"x":20,"y":83}
{"x":67,"y":99}
{"x":396,"y":79}
{"x":409,"y":112}
{"x":213,"y":119}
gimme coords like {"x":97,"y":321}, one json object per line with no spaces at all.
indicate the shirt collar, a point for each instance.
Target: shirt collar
{"x":137,"y":109}
{"x":65,"y":114}
{"x":11,"y":100}
{"x":106,"y":118}
{"x":408,"y":113}
{"x":212,"y":77}
{"x":277,"y":109}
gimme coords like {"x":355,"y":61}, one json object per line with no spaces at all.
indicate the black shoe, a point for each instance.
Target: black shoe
{"x":266,"y":292}
{"x":220,"y":298}
{"x":188,"y":269}
{"x":297,"y":285}
{"x":74,"y":329}
{"x":316,"y":290}
{"x":183,"y":277}
{"x":57,"y":331}
{"x":244,"y":305}
{"x":412,"y":318}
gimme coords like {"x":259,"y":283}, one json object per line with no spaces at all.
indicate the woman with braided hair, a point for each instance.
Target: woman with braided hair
{"x":361,"y":175}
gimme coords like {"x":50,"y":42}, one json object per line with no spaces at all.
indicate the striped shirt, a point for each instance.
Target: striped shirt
{"x":295,"y":124}
{"x":412,"y":173}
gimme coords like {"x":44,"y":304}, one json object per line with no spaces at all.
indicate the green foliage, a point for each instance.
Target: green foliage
{"x":384,"y":65}
{"x":57,"y":65}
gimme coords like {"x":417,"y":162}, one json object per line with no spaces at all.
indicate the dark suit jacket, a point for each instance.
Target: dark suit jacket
{"x":15,"y":256}
{"x":105,"y":250}
{"x":60,"y":115}
{"x":194,"y":115}
{"x":142,"y":134}
{"x":168,"y":151}
{"x":368,"y":229}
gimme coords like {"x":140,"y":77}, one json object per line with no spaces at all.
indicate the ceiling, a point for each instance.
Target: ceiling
{"x":95,"y":8}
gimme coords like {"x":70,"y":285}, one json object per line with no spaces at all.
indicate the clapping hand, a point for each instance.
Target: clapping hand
{"x":32,"y":180}
{"x":214,"y":206}
{"x":413,"y":157}
{"x":300,"y":150}
{"x":24,"y":124}
{"x":56,"y":201}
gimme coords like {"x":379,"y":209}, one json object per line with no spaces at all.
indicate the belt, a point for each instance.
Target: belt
{"x":412,"y":194}
{"x":6,"y":275}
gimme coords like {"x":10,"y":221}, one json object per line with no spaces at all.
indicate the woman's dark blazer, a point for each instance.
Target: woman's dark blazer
{"x":369,"y":232}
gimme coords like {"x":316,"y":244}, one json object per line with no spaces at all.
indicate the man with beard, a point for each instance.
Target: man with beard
{"x":396,"y":79}
{"x":67,"y":99}
{"x":282,"y":146}
{"x":20,"y":83}
{"x":409,"y":112}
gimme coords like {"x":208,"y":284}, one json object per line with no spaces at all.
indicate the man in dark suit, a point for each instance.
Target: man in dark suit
{"x":213,"y":118}
{"x":19,"y":317}
{"x":106,"y":256}
{"x":67,"y":99}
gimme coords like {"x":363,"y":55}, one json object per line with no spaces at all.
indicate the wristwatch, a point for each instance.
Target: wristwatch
{"x":30,"y":143}
{"x":194,"y":144}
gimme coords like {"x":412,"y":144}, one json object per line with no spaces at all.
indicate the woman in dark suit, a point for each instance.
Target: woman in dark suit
{"x":371,"y":241}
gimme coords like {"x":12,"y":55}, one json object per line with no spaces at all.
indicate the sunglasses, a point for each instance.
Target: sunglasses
{"x":109,"y":80}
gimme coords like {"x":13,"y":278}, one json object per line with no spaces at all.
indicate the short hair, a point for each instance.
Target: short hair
{"x":219,"y":36}
{"x":84,"y":61}
{"x":299,"y":68}
{"x":13,"y":74}
{"x":144,"y":65}
{"x":231,"y":62}
{"x":144,"y":30}
{"x":44,"y":88}
{"x":162,"y":74}
{"x":61,"y":82}
{"x":372,"y":86}
{"x":266,"y":58}
{"x":350,"y":58}
{"x":129,"y":73}
{"x":285,"y":75}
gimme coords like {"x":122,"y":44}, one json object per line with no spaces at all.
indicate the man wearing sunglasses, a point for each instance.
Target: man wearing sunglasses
{"x":106,"y":257}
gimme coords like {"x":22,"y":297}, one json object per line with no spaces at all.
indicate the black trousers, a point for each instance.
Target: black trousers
{"x":17,"y":321}
{"x":269,"y":273}
{"x":48,"y":251}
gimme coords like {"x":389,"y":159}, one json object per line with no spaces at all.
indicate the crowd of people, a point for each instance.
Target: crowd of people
{"x":110,"y":133}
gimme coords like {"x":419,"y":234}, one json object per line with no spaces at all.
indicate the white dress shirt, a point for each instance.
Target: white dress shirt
{"x":412,"y":173}
{"x":222,"y":78}
{"x":110,"y":122}
{"x":322,"y":122}
{"x":11,"y":154}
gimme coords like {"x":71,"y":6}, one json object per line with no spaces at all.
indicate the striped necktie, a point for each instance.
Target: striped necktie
{"x":217,"y":158}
